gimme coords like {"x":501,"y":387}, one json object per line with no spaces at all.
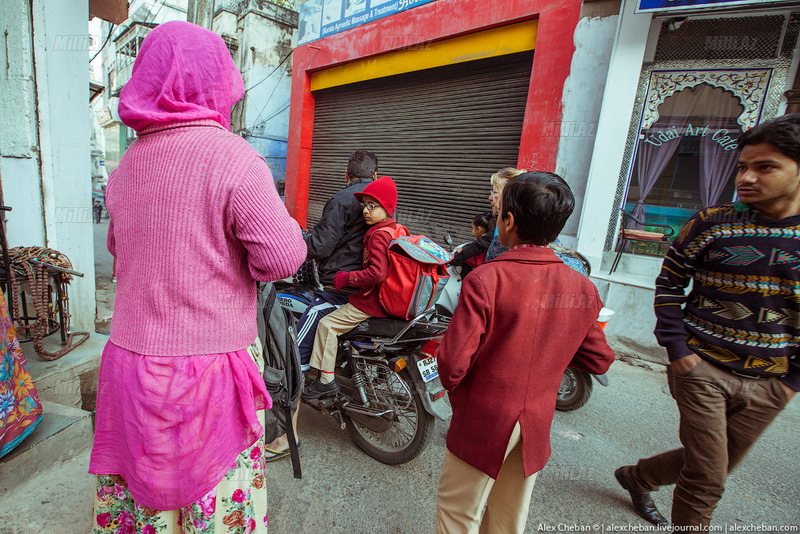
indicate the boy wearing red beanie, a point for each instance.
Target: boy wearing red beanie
{"x":379,"y":200}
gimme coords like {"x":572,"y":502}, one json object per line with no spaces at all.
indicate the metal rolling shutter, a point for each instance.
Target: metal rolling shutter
{"x":440,"y":133}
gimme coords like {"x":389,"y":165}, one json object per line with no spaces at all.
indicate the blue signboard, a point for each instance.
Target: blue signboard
{"x":645,"y":6}
{"x":320,"y":18}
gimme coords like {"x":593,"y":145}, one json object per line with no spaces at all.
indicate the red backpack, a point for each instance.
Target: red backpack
{"x":417,"y":274}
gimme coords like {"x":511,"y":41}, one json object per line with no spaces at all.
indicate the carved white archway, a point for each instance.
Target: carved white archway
{"x":749,"y":86}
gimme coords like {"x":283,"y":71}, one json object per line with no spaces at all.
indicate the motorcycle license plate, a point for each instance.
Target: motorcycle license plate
{"x":428,"y":368}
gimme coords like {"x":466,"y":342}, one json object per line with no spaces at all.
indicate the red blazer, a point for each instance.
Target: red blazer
{"x":376,"y":267}
{"x":521,"y":319}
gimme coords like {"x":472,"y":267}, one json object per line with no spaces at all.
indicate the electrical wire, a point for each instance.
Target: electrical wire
{"x":271,"y":73}
{"x":279,"y":111}
{"x":113,"y":26}
{"x":157,"y":11}
{"x":266,"y":102}
{"x":110,"y":32}
{"x":255,"y":123}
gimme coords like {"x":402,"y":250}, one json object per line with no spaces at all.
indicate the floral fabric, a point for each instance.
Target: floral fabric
{"x":20,"y":408}
{"x":237,"y":505}
{"x":171,"y":426}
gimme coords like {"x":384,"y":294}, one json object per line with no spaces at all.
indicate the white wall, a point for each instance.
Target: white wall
{"x":19,"y":156}
{"x":156,"y":11}
{"x":582,"y":97}
{"x":267,"y":33}
{"x":614,"y":120}
{"x":62,"y":99}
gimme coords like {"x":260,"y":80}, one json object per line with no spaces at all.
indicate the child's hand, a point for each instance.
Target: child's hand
{"x":340,"y":280}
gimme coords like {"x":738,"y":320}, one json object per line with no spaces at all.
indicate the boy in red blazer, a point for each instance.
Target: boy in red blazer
{"x":521,"y":320}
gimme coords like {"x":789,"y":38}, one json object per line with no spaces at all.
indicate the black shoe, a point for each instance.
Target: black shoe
{"x":643,"y":504}
{"x":318,"y":390}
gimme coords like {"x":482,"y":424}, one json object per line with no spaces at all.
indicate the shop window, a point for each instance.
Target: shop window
{"x":686,"y":155}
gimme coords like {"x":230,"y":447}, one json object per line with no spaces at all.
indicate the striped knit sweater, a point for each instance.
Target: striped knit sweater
{"x":743,"y":312}
{"x":195,"y":221}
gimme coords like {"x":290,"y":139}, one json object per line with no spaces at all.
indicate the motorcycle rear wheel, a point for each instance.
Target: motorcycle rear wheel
{"x":405,"y":437}
{"x":574,"y":391}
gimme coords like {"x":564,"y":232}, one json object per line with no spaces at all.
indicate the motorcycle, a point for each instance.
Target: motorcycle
{"x":386,"y":368}
{"x":576,"y":385}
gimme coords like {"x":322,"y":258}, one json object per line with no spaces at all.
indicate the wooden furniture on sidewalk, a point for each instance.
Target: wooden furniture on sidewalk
{"x":659,"y":234}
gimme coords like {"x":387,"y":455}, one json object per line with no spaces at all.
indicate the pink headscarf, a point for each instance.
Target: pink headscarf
{"x":183,"y":73}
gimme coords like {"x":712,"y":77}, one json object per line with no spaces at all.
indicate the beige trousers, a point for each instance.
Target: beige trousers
{"x":330,"y":328}
{"x":464,"y":492}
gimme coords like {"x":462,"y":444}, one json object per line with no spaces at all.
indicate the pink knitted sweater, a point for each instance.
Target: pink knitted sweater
{"x":195,"y":220}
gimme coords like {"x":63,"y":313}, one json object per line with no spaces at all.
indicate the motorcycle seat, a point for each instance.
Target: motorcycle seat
{"x":389,"y":327}
{"x":377,"y":327}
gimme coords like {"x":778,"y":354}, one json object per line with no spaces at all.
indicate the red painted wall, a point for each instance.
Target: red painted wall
{"x":435,"y":21}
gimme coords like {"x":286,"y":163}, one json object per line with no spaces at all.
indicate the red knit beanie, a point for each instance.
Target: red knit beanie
{"x":384,"y":191}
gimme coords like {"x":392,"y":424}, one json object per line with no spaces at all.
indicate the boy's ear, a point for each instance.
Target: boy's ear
{"x":509,"y":222}
{"x":507,"y":230}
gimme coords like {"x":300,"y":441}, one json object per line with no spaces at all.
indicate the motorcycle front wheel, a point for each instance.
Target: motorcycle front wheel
{"x":574,"y":391}
{"x":398,"y":437}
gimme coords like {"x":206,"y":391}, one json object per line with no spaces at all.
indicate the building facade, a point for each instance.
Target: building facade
{"x":445,"y":92}
{"x":684,"y":82}
{"x":45,"y":162}
{"x":637,"y":107}
{"x":260,"y":36}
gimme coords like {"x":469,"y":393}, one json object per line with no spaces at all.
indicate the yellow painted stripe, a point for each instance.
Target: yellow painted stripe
{"x":480,"y":45}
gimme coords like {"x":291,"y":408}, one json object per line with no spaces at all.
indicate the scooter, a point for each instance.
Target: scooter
{"x":387,"y":371}
{"x":576,"y":385}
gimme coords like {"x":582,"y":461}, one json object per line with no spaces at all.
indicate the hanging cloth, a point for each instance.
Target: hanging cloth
{"x":20,"y":408}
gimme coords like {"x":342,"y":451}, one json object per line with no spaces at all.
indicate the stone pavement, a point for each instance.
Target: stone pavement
{"x":345,"y":492}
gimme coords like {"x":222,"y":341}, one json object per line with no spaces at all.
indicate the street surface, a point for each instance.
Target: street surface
{"x":343,"y":491}
{"x":103,"y":268}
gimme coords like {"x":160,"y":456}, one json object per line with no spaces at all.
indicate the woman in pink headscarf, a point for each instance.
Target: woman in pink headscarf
{"x":195,"y":221}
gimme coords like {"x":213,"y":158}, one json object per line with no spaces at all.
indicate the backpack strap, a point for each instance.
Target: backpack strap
{"x":398,"y":230}
{"x":293,"y":450}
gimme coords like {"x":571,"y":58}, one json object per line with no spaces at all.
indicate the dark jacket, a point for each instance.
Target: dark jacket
{"x":337,"y":238}
{"x":376,"y":266}
{"x":470,"y":250}
{"x":495,"y":247}
{"x":521,"y":320}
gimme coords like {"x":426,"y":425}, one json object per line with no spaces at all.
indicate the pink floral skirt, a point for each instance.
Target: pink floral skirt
{"x":172,"y":426}
{"x":238,"y":505}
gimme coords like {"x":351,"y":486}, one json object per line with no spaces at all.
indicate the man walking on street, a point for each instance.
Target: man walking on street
{"x":97,"y":211}
{"x":733,"y":343}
